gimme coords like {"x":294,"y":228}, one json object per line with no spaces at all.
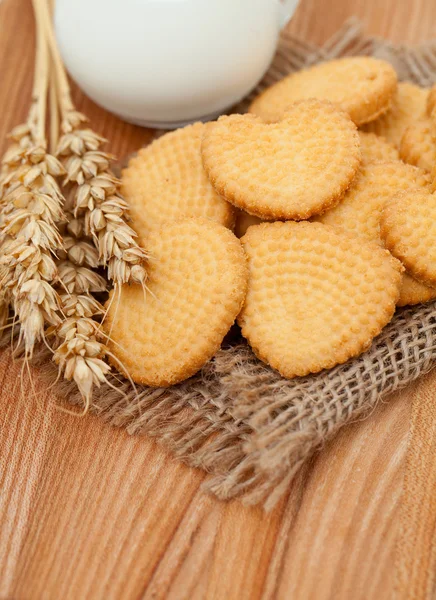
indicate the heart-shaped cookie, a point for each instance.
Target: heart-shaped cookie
{"x":293,"y":169}
{"x":361,"y":85}
{"x":409,"y":104}
{"x":316,"y":296}
{"x":361,"y":208}
{"x":166,"y":181}
{"x":196,"y":287}
{"x":408,"y":228}
{"x":375,"y":184}
{"x":417,"y":145}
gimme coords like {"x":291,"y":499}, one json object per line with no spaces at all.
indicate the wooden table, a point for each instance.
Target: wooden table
{"x":87,"y":511}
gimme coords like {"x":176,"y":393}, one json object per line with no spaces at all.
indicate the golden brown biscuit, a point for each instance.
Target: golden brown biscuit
{"x":374,"y":148}
{"x":166,"y":182}
{"x":408,"y":229}
{"x":360,"y":210}
{"x":288,"y":170}
{"x":363,"y":86}
{"x":243,"y":222}
{"x":418,"y":146}
{"x":197,"y":284}
{"x":316,"y":296}
{"x":414,"y":292}
{"x":408,"y":106}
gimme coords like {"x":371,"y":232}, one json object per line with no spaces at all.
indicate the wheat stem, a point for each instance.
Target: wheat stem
{"x":65,"y":101}
{"x":37,"y":62}
{"x":79,"y":349}
{"x":53,"y":99}
{"x":30,"y":212}
{"x":54,"y":115}
{"x":94,"y":209}
{"x":40,"y":86}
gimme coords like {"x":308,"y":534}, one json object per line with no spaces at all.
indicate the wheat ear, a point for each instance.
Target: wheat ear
{"x":94,"y":191}
{"x":79,"y":349}
{"x":30,"y":212}
{"x":78,"y":342}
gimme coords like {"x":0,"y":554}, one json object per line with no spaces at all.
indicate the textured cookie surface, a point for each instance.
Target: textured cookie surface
{"x":316,"y":296}
{"x":414,"y":292}
{"x":409,"y":105}
{"x":166,"y":181}
{"x":360,"y":210}
{"x":418,"y":146}
{"x":287,"y":170}
{"x":362,"y":86}
{"x":375,"y":148}
{"x":197,"y":284}
{"x":408,"y":228}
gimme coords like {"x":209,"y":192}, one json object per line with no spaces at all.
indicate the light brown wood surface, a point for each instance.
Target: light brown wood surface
{"x":87,"y":511}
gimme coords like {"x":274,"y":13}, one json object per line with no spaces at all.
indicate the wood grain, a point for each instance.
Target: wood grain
{"x":87,"y":511}
{"x":416,"y":544}
{"x":398,"y":20}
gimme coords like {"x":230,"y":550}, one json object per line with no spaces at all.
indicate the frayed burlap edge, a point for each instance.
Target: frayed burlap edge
{"x":238,"y":419}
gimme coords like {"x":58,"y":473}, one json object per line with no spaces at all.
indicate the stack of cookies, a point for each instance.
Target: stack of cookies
{"x":328,"y":184}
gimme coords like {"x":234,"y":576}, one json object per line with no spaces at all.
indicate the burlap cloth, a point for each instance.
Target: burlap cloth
{"x":240,"y":420}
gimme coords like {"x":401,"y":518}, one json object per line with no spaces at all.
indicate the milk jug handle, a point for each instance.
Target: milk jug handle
{"x":287,"y":10}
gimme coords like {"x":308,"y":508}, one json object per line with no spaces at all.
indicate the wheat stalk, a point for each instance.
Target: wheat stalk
{"x":30,"y":211}
{"x":77,"y":341}
{"x":94,"y":191}
{"x":79,"y":349}
{"x":47,"y":261}
{"x":48,"y":267}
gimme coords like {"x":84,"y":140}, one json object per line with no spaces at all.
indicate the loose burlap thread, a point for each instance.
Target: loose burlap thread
{"x":240,"y":420}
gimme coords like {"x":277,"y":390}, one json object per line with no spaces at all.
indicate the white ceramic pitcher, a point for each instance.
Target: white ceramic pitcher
{"x":163,"y":63}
